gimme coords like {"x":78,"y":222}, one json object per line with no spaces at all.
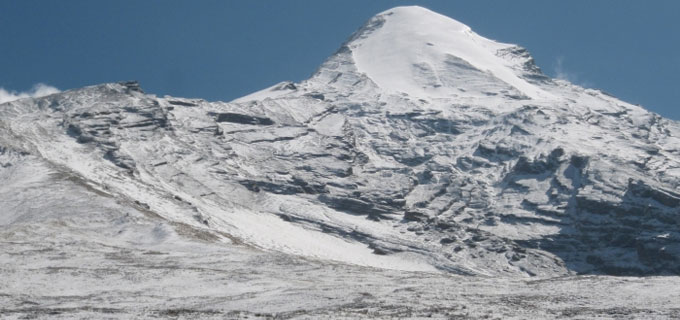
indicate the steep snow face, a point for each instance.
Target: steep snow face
{"x":422,"y":53}
{"x":418,"y":145}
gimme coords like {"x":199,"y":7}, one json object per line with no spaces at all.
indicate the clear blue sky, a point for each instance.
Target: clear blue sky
{"x":220,"y":49}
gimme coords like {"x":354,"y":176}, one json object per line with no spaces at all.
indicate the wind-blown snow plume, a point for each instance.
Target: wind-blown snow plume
{"x":38,"y":90}
{"x":562,"y":74}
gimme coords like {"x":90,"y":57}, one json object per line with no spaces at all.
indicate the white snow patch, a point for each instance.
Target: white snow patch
{"x":415,"y":39}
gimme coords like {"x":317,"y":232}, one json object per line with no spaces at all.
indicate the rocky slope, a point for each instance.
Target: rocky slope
{"x":419,"y":145}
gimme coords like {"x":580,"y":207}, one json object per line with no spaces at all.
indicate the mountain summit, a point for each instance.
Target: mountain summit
{"x":422,"y":53}
{"x":419,"y":145}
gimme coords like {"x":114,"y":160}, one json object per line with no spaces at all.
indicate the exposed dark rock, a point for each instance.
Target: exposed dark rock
{"x":277,"y":188}
{"x":318,"y":96}
{"x":131,"y":86}
{"x":667,"y":198}
{"x":120,"y":160}
{"x":356,"y":206}
{"x":242,"y":119}
{"x":182,"y":103}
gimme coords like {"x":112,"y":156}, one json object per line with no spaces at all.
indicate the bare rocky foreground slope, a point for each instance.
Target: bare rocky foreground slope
{"x":422,"y":170}
{"x":62,"y":274}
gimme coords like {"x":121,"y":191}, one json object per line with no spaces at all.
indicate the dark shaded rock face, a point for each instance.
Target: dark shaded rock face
{"x":243,"y":119}
{"x":361,"y":206}
{"x":638,"y":189}
{"x":182,"y":103}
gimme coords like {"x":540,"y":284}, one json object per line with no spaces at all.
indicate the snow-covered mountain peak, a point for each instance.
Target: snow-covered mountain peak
{"x":418,"y":145}
{"x":424,"y":54}
{"x":418,"y":14}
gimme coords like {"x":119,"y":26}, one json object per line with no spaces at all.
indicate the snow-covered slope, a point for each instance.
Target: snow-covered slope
{"x":419,"y":145}
{"x":426,"y":55}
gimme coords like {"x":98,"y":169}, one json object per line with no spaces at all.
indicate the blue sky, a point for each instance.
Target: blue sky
{"x":221,"y":50}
